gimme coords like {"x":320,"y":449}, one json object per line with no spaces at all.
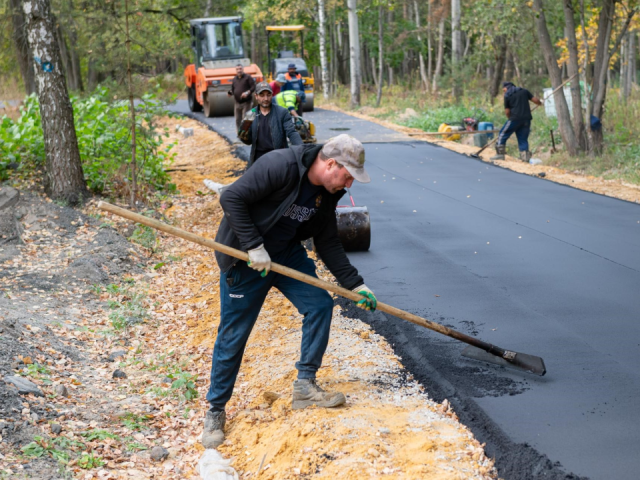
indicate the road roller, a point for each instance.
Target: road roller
{"x":218,"y":48}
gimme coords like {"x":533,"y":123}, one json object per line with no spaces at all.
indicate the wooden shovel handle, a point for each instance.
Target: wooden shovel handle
{"x":289,"y":272}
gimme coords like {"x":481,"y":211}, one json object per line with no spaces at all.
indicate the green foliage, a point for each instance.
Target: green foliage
{"x":184,"y":383}
{"x":135,"y":422}
{"x":145,"y":236}
{"x":103,"y":129}
{"x":40,"y":447}
{"x":90,"y":460}
{"x":99,"y":434}
{"x":431,"y":119}
{"x":36,"y":370}
{"x":129,"y":308}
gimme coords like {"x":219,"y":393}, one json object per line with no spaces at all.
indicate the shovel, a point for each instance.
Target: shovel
{"x":354,"y":227}
{"x":477,"y":154}
{"x":492,"y":353}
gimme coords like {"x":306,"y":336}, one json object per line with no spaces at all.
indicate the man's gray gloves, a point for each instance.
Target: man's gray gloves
{"x":370,"y":302}
{"x":260,"y":260}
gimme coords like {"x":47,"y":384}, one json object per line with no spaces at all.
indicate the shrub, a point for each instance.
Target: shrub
{"x":103,"y":129}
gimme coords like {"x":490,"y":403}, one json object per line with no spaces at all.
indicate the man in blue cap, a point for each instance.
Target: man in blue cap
{"x":294,"y":82}
{"x":518,"y":112}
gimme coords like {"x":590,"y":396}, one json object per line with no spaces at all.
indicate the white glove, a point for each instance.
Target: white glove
{"x":260,"y":260}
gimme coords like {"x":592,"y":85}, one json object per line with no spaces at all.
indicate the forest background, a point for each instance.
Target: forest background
{"x":443,"y":59}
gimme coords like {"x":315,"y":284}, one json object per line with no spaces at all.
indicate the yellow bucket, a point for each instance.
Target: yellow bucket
{"x":445,"y":128}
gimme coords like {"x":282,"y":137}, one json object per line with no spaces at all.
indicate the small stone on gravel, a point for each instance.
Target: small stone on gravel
{"x":24,"y":386}
{"x":56,"y":429}
{"x":158,"y":454}
{"x":167,"y":380}
{"x":384,"y":431}
{"x":34,"y":417}
{"x":117,"y":354}
{"x":119,"y":374}
{"x":61,"y":390}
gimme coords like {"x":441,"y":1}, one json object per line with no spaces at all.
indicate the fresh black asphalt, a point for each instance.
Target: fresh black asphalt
{"x":523,"y":263}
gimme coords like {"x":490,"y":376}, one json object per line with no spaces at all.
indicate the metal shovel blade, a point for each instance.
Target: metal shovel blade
{"x":354,"y":228}
{"x":520,"y":361}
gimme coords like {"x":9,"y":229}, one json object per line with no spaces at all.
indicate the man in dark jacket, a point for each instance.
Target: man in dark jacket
{"x":288,"y":196}
{"x":518,"y":112}
{"x":242,"y":88}
{"x":271,"y":126}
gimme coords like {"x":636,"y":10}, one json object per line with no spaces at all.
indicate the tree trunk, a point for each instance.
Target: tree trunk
{"x":429,"y":54}
{"x":456,"y":47}
{"x":64,"y":177}
{"x":601,"y":65}
{"x":573,"y":69}
{"x":440,"y":58}
{"x":207,"y":9}
{"x":562,"y":109}
{"x":323,"y":50}
{"x":423,"y":71}
{"x":354,"y":52}
{"x":500,"y":47}
{"x":21,"y":45}
{"x":380,"y":54}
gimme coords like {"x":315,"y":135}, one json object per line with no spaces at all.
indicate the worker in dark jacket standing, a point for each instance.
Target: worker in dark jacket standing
{"x":242,"y":88}
{"x":518,"y":112}
{"x":271,"y":126}
{"x":288,"y":196}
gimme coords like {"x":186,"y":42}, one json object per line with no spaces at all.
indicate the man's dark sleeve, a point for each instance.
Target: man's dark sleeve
{"x":252,"y":83}
{"x":506,"y":102}
{"x":290,"y":130}
{"x":258,"y":182}
{"x":529,"y":95}
{"x":332,"y":253}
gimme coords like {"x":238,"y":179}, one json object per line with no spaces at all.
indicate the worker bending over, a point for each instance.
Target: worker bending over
{"x":289,"y":196}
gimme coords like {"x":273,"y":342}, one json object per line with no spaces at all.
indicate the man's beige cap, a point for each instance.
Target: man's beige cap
{"x":349,"y":153}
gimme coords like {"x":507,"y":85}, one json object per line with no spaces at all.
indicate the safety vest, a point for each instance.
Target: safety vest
{"x":287,"y":99}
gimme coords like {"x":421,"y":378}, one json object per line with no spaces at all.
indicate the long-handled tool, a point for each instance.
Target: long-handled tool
{"x":354,"y":227}
{"x":495,"y":354}
{"x":477,"y":154}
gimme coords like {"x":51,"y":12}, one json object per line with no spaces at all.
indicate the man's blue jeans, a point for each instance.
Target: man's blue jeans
{"x":521,"y":128}
{"x":242,"y":293}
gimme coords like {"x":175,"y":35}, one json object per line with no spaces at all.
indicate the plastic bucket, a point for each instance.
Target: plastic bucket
{"x":486,"y":126}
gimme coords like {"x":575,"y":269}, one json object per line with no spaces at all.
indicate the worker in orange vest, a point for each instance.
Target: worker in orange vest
{"x":294,"y":82}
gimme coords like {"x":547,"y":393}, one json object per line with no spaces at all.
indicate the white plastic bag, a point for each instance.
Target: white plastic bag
{"x":213,"y":466}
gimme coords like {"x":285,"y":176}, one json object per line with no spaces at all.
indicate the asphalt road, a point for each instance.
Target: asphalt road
{"x":520,"y":262}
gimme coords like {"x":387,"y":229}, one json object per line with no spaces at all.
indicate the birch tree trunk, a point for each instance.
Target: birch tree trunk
{"x":380,"y":54}
{"x":562,"y":109}
{"x":21,"y":45}
{"x":574,"y":69}
{"x":456,"y":47}
{"x":64,"y":179}
{"x":440,"y":57}
{"x":429,"y":55}
{"x":354,"y":52}
{"x":323,"y":50}
{"x":423,"y":70}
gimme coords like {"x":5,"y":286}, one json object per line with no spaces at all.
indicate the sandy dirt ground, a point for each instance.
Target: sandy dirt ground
{"x":611,"y":188}
{"x":133,"y":403}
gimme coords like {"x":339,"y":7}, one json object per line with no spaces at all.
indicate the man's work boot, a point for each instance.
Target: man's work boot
{"x":306,"y":393}
{"x":525,"y":155}
{"x":213,"y":434}
{"x":500,"y":152}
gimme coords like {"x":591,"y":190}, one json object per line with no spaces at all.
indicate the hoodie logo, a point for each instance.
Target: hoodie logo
{"x":236,"y":296}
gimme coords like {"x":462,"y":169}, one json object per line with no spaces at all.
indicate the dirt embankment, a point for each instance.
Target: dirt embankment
{"x":152,"y":315}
